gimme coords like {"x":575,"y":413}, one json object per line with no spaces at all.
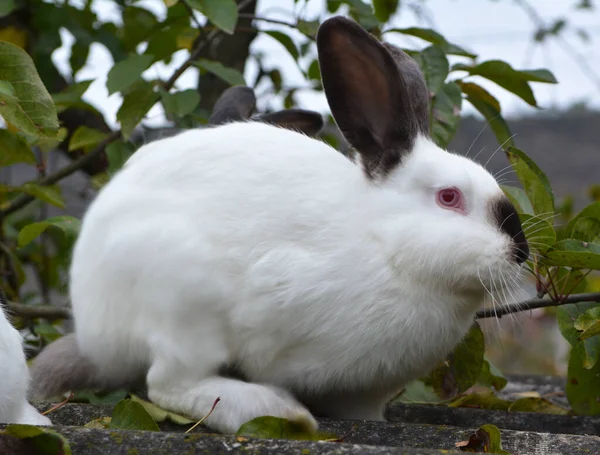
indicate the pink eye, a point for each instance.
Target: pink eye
{"x":451,"y":198}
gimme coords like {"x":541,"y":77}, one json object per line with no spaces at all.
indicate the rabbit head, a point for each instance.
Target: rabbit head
{"x":238,"y":103}
{"x":463,"y":230}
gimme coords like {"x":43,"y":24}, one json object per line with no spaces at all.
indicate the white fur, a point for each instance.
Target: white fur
{"x":256,"y":247}
{"x":14,"y":379}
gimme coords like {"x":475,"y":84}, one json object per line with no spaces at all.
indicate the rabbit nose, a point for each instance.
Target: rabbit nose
{"x":509,"y":223}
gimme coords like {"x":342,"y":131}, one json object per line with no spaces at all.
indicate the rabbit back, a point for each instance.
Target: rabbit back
{"x":259,"y":253}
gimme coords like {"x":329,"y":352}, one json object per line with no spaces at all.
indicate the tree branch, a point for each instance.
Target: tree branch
{"x":50,"y":312}
{"x":537,"y":303}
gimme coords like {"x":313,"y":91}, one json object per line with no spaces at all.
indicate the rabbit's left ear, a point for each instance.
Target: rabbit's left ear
{"x":307,"y":122}
{"x":376,"y":96}
{"x":235,"y":104}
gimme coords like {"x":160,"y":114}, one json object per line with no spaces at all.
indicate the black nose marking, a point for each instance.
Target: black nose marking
{"x":508,"y":222}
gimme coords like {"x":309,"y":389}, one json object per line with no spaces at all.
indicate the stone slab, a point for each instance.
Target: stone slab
{"x":388,"y":435}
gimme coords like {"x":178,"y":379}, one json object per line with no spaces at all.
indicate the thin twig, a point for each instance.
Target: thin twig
{"x":266,"y":19}
{"x":205,"y":417}
{"x":49,"y":312}
{"x":537,"y":303}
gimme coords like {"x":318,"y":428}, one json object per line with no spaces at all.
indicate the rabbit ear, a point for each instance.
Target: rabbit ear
{"x":307,"y":122}
{"x":236,"y":103}
{"x":372,"y":94}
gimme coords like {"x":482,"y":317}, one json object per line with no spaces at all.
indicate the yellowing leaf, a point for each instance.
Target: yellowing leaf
{"x":14,"y":35}
{"x":159,"y":414}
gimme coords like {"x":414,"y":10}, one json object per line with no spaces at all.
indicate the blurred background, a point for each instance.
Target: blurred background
{"x":561,"y":134}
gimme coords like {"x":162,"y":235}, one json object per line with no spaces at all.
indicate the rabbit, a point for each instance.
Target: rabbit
{"x":255,"y":264}
{"x":14,"y":377}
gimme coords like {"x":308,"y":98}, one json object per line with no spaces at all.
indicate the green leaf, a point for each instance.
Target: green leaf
{"x":47,"y":331}
{"x":14,"y":150}
{"x":539,"y":232}
{"x":222,"y":13}
{"x":7,"y":89}
{"x":491,"y":376}
{"x":160,"y":415}
{"x":433,"y":37}
{"x":285,"y":41}
{"x":539,"y":405}
{"x":130,"y":415}
{"x":486,"y":439}
{"x":308,"y":28}
{"x":519,"y":198}
{"x":41,"y":441}
{"x":138,"y":23}
{"x":489,"y":107}
{"x":576,"y":254}
{"x":534,"y":181}
{"x":277,"y":428}
{"x":118,"y":153}
{"x":180,"y":103}
{"x":24,"y":101}
{"x":588,"y":323}
{"x":6,"y":7}
{"x":508,"y":78}
{"x":86,"y":138}
{"x":585,"y":228}
{"x":384,"y":9}
{"x":434,"y":65}
{"x":93,"y":397}
{"x":136,"y":105}
{"x":72,"y":93}
{"x":483,"y":400}
{"x":67,"y":224}
{"x":446,"y":114}
{"x":463,"y":367}
{"x":229,"y":75}
{"x":590,"y":211}
{"x":583,"y":386}
{"x":566,"y":316}
{"x":127,"y":72}
{"x":417,"y":392}
{"x":168,"y":40}
{"x":49,"y":194}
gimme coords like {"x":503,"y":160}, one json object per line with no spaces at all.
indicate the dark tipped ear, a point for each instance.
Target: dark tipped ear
{"x":368,"y":95}
{"x":307,"y":122}
{"x":236,"y":103}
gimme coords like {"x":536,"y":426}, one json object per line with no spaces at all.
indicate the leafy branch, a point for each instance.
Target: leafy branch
{"x":537,"y":303}
{"x":24,"y":199}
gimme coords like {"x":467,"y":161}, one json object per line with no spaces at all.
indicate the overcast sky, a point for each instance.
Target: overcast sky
{"x":491,"y":29}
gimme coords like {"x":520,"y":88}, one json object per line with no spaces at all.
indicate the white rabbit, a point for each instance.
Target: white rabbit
{"x":14,"y":378}
{"x":255,"y":264}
